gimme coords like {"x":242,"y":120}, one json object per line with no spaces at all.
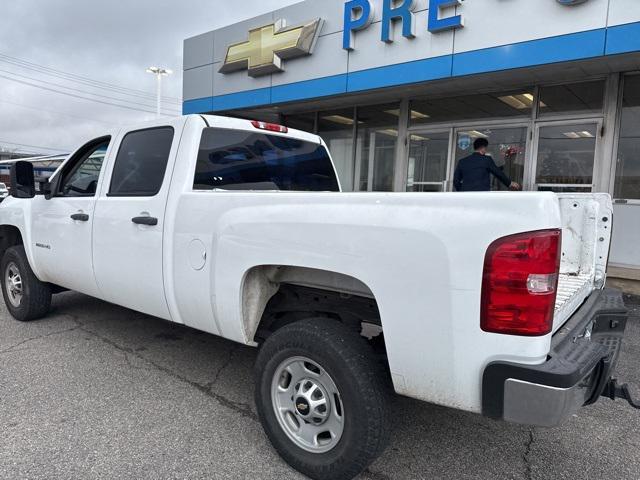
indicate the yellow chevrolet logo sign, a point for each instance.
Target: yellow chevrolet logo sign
{"x":268,"y":46}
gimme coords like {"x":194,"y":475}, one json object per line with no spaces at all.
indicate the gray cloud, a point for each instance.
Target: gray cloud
{"x":112,"y":41}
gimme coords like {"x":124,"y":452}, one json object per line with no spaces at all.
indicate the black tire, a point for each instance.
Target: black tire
{"x":36,"y":295}
{"x":364,"y":388}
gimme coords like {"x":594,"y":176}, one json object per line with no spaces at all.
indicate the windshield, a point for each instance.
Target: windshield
{"x":244,"y":160}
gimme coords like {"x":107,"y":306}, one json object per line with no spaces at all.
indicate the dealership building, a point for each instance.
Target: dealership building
{"x":399,"y":90}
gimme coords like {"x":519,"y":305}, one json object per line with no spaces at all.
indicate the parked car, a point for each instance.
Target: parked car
{"x":493,"y":303}
{"x":4,"y":191}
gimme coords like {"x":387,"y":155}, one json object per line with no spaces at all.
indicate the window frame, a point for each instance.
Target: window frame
{"x":552,"y":116}
{"x":164,"y":176}
{"x":71,"y":166}
{"x":613,"y":182}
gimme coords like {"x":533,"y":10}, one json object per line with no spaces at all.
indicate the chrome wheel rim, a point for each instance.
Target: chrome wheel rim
{"x":13,"y":284}
{"x":307,"y":404}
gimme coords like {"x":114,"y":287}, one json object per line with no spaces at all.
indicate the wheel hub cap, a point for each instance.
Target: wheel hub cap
{"x":302,"y":406}
{"x":13,"y":284}
{"x":312,"y":403}
{"x":307,"y":404}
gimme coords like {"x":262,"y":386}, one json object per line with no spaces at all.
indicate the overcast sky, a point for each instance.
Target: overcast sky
{"x":109,"y":41}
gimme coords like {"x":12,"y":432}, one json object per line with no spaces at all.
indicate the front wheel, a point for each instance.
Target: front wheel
{"x":26,"y":297}
{"x":322,"y":397}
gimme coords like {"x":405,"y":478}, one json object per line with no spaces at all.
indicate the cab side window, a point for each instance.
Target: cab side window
{"x":81,"y":178}
{"x":141,"y":163}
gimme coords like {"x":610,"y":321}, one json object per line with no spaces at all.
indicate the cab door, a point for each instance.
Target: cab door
{"x":129,"y":219}
{"x":62,"y":225}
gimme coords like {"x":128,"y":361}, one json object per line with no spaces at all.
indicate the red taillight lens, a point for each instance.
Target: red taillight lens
{"x":520,"y":283}
{"x":271,"y":127}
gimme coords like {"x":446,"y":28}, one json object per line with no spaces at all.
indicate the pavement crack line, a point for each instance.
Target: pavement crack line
{"x":223,"y":367}
{"x":13,"y":348}
{"x":527,"y":455}
{"x":241,"y":408}
{"x":376,"y":475}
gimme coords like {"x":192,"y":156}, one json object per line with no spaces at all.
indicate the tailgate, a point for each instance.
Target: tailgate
{"x":586,"y":236}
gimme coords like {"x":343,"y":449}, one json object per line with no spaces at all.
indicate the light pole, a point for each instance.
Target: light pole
{"x":159,"y":73}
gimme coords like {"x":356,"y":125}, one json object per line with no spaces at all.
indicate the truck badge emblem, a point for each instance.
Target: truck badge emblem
{"x":268,"y":46}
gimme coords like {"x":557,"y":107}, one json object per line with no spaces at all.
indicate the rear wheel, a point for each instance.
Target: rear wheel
{"x":26,"y":297}
{"x":322,"y":398}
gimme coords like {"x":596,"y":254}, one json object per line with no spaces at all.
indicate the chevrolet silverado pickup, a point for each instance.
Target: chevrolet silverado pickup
{"x":493,"y":303}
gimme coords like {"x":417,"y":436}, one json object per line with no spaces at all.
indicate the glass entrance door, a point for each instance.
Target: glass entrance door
{"x":565,"y":156}
{"x":507,"y":146}
{"x":428,"y":159}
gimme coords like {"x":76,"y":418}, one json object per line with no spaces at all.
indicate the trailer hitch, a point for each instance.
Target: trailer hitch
{"x":614,"y":390}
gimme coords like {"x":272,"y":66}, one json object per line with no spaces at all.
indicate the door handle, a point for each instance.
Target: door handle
{"x":150,"y":221}
{"x":80,"y":217}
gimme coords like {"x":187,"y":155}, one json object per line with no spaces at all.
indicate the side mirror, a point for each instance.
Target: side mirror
{"x":44,"y":187}
{"x":23,"y":182}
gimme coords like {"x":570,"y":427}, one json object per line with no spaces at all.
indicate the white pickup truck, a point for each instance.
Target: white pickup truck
{"x":493,"y":303}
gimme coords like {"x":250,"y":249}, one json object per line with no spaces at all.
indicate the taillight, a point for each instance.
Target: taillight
{"x":520,"y":283}
{"x":271,"y":127}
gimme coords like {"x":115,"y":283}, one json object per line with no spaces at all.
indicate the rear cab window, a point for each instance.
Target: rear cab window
{"x":245,"y":160}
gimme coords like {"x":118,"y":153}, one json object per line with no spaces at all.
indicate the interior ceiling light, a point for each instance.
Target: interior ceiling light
{"x":419,"y":138}
{"x":520,"y":101}
{"x":475,"y":134}
{"x":415,"y":115}
{"x":389,"y":131}
{"x":586,"y":134}
{"x":571,"y":135}
{"x":338,"y":119}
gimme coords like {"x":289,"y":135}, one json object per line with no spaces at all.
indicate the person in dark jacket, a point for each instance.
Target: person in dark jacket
{"x":473,"y":173}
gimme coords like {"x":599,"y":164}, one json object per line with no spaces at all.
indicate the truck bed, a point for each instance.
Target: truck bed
{"x":572,"y":291}
{"x":587,"y":220}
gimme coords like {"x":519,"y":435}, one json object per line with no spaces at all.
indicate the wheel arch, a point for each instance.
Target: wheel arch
{"x":275,"y":295}
{"x":10,"y":236}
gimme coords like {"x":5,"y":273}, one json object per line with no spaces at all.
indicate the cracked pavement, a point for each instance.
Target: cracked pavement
{"x":98,"y":391}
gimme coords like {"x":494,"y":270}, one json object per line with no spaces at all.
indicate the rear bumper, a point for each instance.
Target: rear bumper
{"x":583,"y":357}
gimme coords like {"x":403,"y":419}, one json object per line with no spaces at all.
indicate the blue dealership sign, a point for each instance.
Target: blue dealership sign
{"x":358,"y":15}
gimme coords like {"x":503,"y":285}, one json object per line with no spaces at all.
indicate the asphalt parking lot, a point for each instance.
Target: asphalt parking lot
{"x":98,"y":391}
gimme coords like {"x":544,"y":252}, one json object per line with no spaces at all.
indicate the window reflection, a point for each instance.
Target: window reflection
{"x":336,"y":129}
{"x":376,"y":146}
{"x":566,"y":155}
{"x":304,"y":121}
{"x":507,"y":146}
{"x":505,"y":104}
{"x":585,"y":97}
{"x":427,"y":169}
{"x":628,"y":168}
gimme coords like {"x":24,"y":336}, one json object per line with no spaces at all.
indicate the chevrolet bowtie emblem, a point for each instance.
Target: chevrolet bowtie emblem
{"x":268,"y":46}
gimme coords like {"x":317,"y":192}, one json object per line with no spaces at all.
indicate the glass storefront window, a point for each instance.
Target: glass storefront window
{"x":582,"y":98}
{"x":428,"y":155}
{"x":336,"y":129}
{"x":628,"y":167}
{"x":507,"y":146}
{"x":376,"y":147}
{"x":566,"y":157}
{"x":304,"y":121}
{"x":494,"y":105}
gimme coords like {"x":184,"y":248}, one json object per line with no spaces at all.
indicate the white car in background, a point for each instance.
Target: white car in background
{"x":4,"y":191}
